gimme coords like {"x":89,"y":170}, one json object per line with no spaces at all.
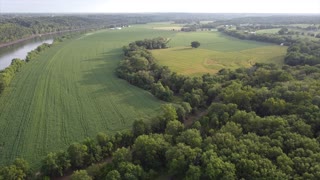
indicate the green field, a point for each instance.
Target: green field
{"x":217,"y":51}
{"x":168,"y":26}
{"x":268,"y":31}
{"x":70,"y":92}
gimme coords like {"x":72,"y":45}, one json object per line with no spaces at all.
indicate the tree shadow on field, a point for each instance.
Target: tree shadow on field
{"x":102,"y":66}
{"x":183,"y":49}
{"x":101,"y":82}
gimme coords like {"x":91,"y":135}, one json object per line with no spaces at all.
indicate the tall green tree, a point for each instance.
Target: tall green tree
{"x":139,"y":127}
{"x":113,"y":175}
{"x":195,"y":44}
{"x":193,"y":173}
{"x":12,"y":172}
{"x":55,"y":164}
{"x":216,"y":168}
{"x":78,"y":154}
{"x":174,"y":128}
{"x":190,"y":137}
{"x":180,"y":157}
{"x":121,"y":155}
{"x":149,"y":151}
{"x":80,"y":175}
{"x":169,"y":112}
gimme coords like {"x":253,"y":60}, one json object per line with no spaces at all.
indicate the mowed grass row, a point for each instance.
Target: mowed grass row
{"x":217,"y":51}
{"x":71,"y":92}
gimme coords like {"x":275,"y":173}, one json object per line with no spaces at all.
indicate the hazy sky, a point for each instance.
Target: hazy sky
{"x":207,"y":6}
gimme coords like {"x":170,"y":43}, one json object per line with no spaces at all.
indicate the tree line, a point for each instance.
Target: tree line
{"x":19,"y":27}
{"x":303,"y":52}
{"x":300,"y":51}
{"x":272,"y":20}
{"x":271,"y":38}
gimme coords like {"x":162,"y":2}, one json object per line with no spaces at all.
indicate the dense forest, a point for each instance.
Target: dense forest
{"x":273,"y":20}
{"x":260,"y":122}
{"x":18,"y":27}
{"x":255,"y":22}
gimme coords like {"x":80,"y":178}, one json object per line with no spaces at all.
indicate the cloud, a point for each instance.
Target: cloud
{"x":211,"y":6}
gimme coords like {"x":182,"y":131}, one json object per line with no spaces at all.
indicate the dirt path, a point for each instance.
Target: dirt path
{"x":189,"y":121}
{"x":66,"y":176}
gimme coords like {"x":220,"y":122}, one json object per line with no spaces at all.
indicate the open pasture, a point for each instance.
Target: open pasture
{"x":168,"y":26}
{"x":213,"y":40}
{"x":268,"y":31}
{"x":217,"y":51}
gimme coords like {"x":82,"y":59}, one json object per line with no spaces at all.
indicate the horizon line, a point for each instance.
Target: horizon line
{"x":282,"y":13}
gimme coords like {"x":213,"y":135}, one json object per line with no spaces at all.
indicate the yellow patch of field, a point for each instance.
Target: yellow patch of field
{"x":189,"y":61}
{"x":169,"y":28}
{"x":269,"y":31}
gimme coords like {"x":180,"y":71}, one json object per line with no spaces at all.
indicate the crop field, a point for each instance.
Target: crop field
{"x":70,"y":92}
{"x":217,"y":51}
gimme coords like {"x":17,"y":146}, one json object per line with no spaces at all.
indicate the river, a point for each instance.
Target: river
{"x":20,"y":50}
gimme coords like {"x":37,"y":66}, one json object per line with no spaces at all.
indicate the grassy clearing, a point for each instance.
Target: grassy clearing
{"x":214,"y":41}
{"x":70,"y":92}
{"x":168,"y":26}
{"x":205,"y":22}
{"x":268,"y":31}
{"x":190,"y":61}
{"x":217,"y":51}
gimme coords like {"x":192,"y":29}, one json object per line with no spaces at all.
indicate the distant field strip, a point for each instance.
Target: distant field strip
{"x":214,"y":41}
{"x":217,"y":51}
{"x":269,"y":31}
{"x":70,"y":92}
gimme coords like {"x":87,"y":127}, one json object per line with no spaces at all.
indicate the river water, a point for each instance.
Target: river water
{"x":20,"y":50}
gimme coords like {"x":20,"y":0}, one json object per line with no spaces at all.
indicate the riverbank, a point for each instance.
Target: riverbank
{"x":38,"y":35}
{"x":21,"y":50}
